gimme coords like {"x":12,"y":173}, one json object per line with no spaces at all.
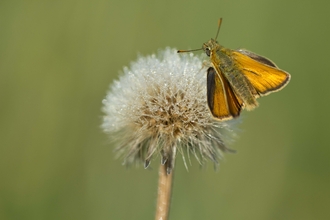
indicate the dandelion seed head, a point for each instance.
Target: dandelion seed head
{"x":158,"y":107}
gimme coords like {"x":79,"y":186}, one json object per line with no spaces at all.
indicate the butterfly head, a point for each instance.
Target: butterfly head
{"x":210,"y":46}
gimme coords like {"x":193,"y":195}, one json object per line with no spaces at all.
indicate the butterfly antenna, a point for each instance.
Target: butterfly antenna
{"x":219,"y":25}
{"x":186,"y":51}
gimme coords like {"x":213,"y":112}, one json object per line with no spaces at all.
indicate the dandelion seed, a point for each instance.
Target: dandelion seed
{"x":158,"y":107}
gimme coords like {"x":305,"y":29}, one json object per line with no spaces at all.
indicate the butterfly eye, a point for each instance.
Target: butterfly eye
{"x":207,"y":51}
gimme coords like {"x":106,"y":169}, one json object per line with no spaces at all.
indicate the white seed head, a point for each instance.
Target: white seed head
{"x":158,"y":107}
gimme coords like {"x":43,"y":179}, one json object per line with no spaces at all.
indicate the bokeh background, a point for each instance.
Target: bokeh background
{"x":57,"y":59}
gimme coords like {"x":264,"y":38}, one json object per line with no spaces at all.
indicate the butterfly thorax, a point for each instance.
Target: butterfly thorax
{"x":223,"y":62}
{"x":219,"y":55}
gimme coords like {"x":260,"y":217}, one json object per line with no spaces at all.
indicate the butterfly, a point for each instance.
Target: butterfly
{"x":236,"y":78}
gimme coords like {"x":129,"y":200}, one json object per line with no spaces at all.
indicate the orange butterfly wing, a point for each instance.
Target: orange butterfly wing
{"x":262,"y":73}
{"x":222,"y":101}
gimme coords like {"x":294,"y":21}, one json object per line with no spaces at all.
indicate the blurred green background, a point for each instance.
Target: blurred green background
{"x":57,"y":59}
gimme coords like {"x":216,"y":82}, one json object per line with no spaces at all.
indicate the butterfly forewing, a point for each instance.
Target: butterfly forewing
{"x":221,"y":99}
{"x":263,"y":74}
{"x":257,"y":57}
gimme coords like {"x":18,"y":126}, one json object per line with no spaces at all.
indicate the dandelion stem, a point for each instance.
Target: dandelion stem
{"x":164,"y":191}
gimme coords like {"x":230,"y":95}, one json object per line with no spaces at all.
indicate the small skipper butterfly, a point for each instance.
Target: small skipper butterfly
{"x":236,"y":78}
